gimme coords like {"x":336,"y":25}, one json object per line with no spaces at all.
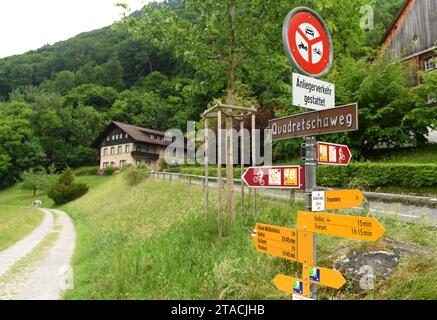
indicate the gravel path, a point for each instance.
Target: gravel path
{"x":22,"y":248}
{"x":50,"y":274}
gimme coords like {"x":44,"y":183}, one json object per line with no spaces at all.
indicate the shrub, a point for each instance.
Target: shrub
{"x":134,"y":176}
{"x":363,"y":175}
{"x":108,"y":171}
{"x":86,"y":171}
{"x":66,"y":189}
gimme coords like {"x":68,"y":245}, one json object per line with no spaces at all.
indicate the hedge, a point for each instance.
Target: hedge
{"x":361,"y":175}
{"x":86,"y":171}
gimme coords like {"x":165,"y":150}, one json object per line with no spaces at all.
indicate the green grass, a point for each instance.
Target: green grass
{"x":18,"y":197}
{"x":21,"y":269}
{"x":426,"y":154}
{"x":16,"y":223}
{"x":152,"y":242}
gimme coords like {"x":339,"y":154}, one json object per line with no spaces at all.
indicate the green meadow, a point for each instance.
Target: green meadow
{"x":153,"y":242}
{"x":16,"y":223}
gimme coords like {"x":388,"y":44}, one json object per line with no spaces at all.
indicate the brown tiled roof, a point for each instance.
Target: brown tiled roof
{"x":139,"y":134}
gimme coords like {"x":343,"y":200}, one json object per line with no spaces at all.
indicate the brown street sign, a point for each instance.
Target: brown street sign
{"x":338,"y":119}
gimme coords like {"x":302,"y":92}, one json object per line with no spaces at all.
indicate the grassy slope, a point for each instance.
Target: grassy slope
{"x":16,"y":223}
{"x":427,"y":154}
{"x":18,"y":218}
{"x":17,"y":197}
{"x":151,"y":242}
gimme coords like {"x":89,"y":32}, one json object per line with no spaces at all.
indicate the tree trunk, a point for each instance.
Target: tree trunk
{"x":229,"y":120}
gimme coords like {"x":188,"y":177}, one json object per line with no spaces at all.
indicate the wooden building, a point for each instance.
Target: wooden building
{"x":412,"y":35}
{"x":122,"y":144}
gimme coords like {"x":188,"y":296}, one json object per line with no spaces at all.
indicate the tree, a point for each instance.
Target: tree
{"x":38,"y":179}
{"x":101,"y":98}
{"x":66,"y":189}
{"x":20,"y":149}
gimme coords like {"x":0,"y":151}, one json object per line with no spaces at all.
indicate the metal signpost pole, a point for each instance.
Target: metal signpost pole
{"x":310,"y":186}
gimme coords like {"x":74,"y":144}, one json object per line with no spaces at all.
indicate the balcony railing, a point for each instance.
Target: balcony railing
{"x":145,"y":155}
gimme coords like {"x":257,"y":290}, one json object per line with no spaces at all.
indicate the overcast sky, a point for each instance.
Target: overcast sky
{"x":30,"y":24}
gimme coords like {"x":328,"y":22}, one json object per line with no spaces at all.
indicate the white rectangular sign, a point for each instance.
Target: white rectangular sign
{"x":312,"y":93}
{"x":297,"y":297}
{"x":318,"y":201}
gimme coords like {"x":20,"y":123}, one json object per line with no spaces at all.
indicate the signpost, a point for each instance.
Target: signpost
{"x":333,"y":154}
{"x":339,"y":119}
{"x":312,"y":93}
{"x":351,"y":227}
{"x":308,"y":45}
{"x":333,"y":200}
{"x":289,"y":177}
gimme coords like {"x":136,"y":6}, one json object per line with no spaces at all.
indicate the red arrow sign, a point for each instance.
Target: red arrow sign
{"x":290,"y":177}
{"x":334,"y":154}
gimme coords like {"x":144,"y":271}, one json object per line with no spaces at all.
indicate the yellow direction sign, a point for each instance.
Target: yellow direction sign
{"x":280,"y":234}
{"x":326,"y":277}
{"x":333,"y":200}
{"x":276,"y":241}
{"x":292,"y":285}
{"x":361,"y":228}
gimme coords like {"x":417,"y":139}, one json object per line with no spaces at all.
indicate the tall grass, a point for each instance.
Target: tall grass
{"x":152,"y":242}
{"x":16,"y":223}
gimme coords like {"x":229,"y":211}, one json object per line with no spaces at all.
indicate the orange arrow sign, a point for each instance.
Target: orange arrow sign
{"x":275,"y":249}
{"x":279,"y":234}
{"x":326,"y":277}
{"x":332,"y":200}
{"x":292,"y":285}
{"x":275,"y":241}
{"x":361,"y":228}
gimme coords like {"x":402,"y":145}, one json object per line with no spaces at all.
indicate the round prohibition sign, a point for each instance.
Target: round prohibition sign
{"x":307,"y":42}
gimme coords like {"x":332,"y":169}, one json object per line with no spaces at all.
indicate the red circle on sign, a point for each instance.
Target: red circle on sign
{"x":308,"y":42}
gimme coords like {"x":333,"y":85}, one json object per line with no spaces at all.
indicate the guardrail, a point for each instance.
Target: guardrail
{"x":383,"y":197}
{"x":276,"y":194}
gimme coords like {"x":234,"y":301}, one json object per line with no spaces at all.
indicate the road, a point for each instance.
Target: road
{"x":39,"y":266}
{"x":411,"y":213}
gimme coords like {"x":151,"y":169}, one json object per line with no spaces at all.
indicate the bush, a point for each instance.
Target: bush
{"x":87,"y":171}
{"x":364,"y":175}
{"x":66,"y":189}
{"x":134,"y":176}
{"x":374,"y":175}
{"x":108,"y":171}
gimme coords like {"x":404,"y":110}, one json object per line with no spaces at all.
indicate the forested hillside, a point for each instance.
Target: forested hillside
{"x":163,"y":66}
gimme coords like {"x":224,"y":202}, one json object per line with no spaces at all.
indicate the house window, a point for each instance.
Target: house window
{"x":431,"y":64}
{"x":108,"y":138}
{"x":122,"y":163}
{"x":113,"y":137}
{"x":138,"y":162}
{"x":105,"y":151}
{"x":148,"y":163}
{"x":112,"y":150}
{"x":127,"y":148}
{"x":105,"y":164}
{"x":126,"y":136}
{"x":120,"y":149}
